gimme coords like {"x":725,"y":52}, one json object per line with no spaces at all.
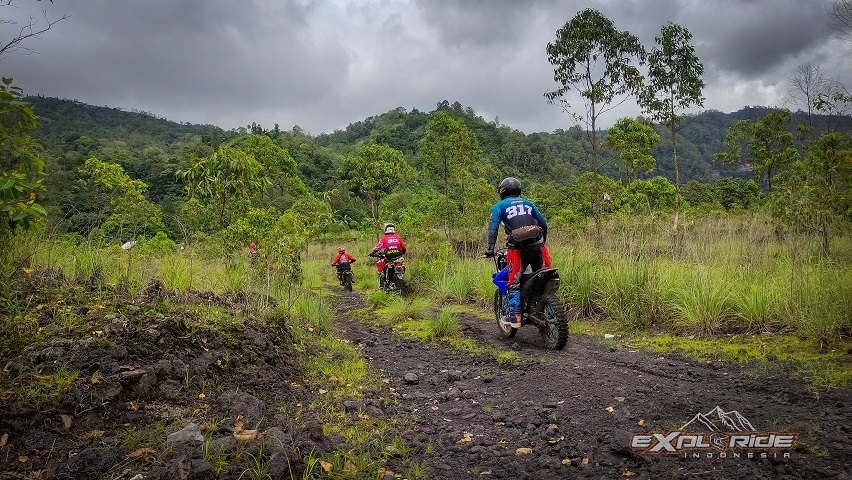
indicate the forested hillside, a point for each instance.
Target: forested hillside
{"x":153,"y":149}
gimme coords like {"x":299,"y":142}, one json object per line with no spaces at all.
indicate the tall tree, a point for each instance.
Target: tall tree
{"x":816,"y":194}
{"x":593,"y":57}
{"x":221,"y":178}
{"x":375,"y":171}
{"x":674,"y":84}
{"x":770,"y":146}
{"x":451,"y":155}
{"x":804,"y":87}
{"x":632,"y":139}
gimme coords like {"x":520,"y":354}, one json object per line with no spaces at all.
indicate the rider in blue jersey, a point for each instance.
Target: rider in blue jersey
{"x":526,"y":230}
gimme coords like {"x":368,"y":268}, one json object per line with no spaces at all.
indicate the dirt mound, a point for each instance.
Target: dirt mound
{"x":97,"y":381}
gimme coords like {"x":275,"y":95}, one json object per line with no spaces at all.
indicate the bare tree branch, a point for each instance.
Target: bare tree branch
{"x":30,"y":30}
{"x":840,"y":19}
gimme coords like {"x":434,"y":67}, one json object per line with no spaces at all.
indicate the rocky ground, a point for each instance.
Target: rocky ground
{"x":571,"y":413}
{"x":149,"y":373}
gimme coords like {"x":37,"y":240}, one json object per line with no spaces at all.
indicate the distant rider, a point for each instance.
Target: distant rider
{"x":527,"y":232}
{"x":342,"y":261}
{"x":389,"y":247}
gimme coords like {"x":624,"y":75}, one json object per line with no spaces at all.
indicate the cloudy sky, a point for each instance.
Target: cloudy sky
{"x":322,"y":64}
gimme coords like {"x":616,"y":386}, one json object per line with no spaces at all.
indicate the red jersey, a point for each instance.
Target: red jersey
{"x":391,"y":245}
{"x":343,"y":256}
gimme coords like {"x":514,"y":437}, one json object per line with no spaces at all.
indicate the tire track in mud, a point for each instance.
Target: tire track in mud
{"x":576,"y":409}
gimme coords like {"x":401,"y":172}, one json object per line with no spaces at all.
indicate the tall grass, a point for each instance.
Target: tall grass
{"x":312,"y":310}
{"x":731,"y":274}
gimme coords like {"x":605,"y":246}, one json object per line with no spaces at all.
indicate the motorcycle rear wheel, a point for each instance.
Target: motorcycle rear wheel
{"x":555,"y":334}
{"x":501,"y":309}
{"x":347,"y":281}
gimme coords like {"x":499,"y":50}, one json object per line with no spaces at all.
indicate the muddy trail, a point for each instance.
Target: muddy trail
{"x":572,"y":413}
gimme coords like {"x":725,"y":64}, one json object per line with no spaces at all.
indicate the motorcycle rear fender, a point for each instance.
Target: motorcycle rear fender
{"x":538,"y":283}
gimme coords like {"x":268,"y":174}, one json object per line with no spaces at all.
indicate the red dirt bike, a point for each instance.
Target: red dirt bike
{"x":539,"y":304}
{"x":344,"y":275}
{"x":391,"y":278}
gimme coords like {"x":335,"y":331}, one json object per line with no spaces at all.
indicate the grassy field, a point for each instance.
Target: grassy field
{"x":730,"y":280}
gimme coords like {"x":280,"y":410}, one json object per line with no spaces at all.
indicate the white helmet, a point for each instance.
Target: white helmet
{"x":390,"y":228}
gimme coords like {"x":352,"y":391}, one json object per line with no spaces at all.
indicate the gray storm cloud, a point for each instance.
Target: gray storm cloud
{"x":323,"y":65}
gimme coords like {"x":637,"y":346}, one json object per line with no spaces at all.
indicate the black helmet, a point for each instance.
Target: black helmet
{"x":509,"y":187}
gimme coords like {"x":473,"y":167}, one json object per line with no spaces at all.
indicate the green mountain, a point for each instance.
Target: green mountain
{"x":153,"y":149}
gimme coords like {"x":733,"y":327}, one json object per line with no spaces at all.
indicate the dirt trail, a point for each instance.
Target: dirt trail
{"x":472,"y":414}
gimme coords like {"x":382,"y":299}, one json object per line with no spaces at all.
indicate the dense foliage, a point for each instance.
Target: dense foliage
{"x":431,"y":172}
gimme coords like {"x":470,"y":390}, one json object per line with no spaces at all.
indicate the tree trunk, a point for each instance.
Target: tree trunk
{"x":596,"y":186}
{"x":677,"y":173}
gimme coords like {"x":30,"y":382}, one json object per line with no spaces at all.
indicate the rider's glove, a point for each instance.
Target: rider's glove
{"x":489,"y":253}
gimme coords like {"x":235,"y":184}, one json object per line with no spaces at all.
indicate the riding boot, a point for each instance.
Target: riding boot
{"x":514,"y":315}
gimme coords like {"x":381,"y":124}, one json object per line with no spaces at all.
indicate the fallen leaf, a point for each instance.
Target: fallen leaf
{"x":129,"y":368}
{"x":641,"y":423}
{"x":44,"y":377}
{"x":523,"y":451}
{"x":246,"y":435}
{"x":566,"y":461}
{"x":4,"y":439}
{"x":609,"y":409}
{"x":323,"y":391}
{"x":325,"y":466}
{"x":585,"y":460}
{"x":141,"y":453}
{"x":628,"y":473}
{"x":465,"y":439}
{"x":66,"y":421}
{"x":350,"y":467}
{"x":23,"y":458}
{"x":201,"y":395}
{"x":132,"y":405}
{"x":98,"y":332}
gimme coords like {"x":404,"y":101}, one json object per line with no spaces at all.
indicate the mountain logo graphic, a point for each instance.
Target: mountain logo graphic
{"x":716,"y":434}
{"x":718,"y":420}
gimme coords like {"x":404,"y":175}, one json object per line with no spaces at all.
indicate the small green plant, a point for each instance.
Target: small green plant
{"x":445,"y":325}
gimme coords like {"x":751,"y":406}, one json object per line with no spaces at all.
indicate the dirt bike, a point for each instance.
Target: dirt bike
{"x":344,"y":274}
{"x":391,"y":278}
{"x":539,"y":304}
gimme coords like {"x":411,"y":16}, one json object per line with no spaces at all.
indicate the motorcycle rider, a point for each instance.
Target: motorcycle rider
{"x":389,"y":247}
{"x":527,"y":233}
{"x":342,"y":261}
